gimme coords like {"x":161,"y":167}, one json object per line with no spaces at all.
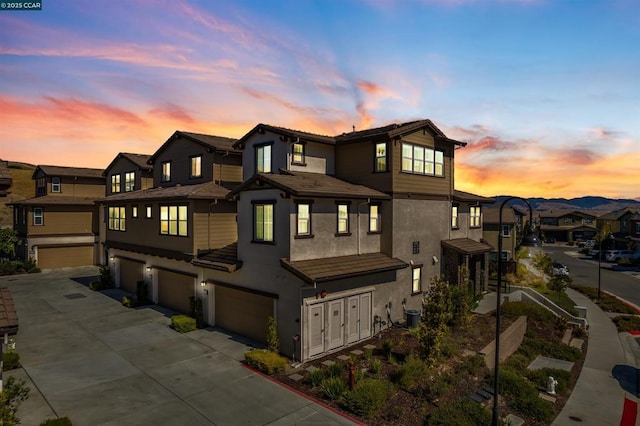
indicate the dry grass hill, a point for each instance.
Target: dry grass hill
{"x":23,"y":187}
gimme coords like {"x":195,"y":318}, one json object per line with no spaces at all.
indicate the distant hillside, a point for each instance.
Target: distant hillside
{"x":22,"y":188}
{"x":581,"y":203}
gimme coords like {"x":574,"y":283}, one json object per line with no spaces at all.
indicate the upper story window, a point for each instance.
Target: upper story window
{"x":41,"y":186}
{"x":129,"y":181}
{"x":422,"y":160}
{"x":148,"y":212}
{"x":297,"y":154}
{"x":474,"y":217}
{"x":56,"y":186}
{"x":637,"y":227}
{"x":263,"y":221}
{"x":374,"y":217}
{"x":381,"y":157}
{"x":196,"y":167}
{"x":454,"y":217}
{"x":38,"y":216}
{"x":166,"y":171}
{"x":115,"y":183}
{"x":343,"y":218}
{"x":117,"y":219}
{"x":173,"y":220}
{"x":263,"y":158}
{"x":134,"y":211}
{"x":506,"y":230}
{"x":416,"y":281}
{"x":303,"y":220}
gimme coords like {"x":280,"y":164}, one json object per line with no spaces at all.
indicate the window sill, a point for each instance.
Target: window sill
{"x":374,"y":232}
{"x":342,"y":234}
{"x":268,"y":243}
{"x":416,"y":293}
{"x":455,"y":228}
{"x":294,"y":163}
{"x":303,"y":237}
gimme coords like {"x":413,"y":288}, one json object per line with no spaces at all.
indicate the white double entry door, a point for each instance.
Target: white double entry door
{"x":338,"y":322}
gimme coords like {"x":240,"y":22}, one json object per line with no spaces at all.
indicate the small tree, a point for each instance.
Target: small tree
{"x":12,"y":395}
{"x":437,"y":313}
{"x":543,"y":262}
{"x":462,"y":298}
{"x":8,"y":242}
{"x":560,"y":282}
{"x":273,"y":343}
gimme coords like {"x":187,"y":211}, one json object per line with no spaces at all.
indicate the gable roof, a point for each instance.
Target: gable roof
{"x":69,"y":172}
{"x":467,"y":246}
{"x":566,"y":212}
{"x":305,"y":184}
{"x":335,"y":268}
{"x":285,"y":134}
{"x":56,"y":200}
{"x":221,"y":259}
{"x":200,"y":191}
{"x":138,"y":160}
{"x":471,"y":198}
{"x":211,"y":142}
{"x":617,"y":214}
{"x":6,"y":180}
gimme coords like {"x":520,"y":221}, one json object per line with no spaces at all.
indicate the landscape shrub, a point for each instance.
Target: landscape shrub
{"x":13,"y":393}
{"x":437,"y":386}
{"x":263,"y":360}
{"x":516,"y":309}
{"x":533,"y":346}
{"x":335,"y":370}
{"x":183,"y":323}
{"x":130,"y":301}
{"x":471,"y":365}
{"x":196,"y":311}
{"x":461,"y":412}
{"x":333,"y":387}
{"x":522,"y":395}
{"x":540,"y":377}
{"x":627,"y":322}
{"x":316,"y":377}
{"x":60,"y":421}
{"x":273,"y":343}
{"x":367,"y":397}
{"x":387,"y":347}
{"x":10,"y":361}
{"x":410,"y":372}
{"x":376,"y":365}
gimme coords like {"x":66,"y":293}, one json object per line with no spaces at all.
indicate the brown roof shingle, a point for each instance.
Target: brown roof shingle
{"x":222,"y":259}
{"x":200,"y":191}
{"x":70,"y":171}
{"x":60,"y":200}
{"x":8,"y":314}
{"x":335,"y":268}
{"x":467,"y":246}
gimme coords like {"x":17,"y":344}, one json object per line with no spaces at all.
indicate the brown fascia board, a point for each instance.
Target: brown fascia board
{"x":84,"y":172}
{"x":144,"y":166}
{"x":286,"y":133}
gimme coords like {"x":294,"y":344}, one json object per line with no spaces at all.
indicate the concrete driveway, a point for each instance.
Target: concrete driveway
{"x":86,"y":356}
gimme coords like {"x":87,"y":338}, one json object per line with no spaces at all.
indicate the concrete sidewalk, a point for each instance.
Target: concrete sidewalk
{"x":86,"y":356}
{"x":608,"y":377}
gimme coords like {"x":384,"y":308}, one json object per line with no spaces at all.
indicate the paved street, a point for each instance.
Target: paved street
{"x":87,"y":357}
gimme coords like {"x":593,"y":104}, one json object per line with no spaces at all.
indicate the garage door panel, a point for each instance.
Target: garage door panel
{"x":130,"y":273}
{"x":63,"y":257}
{"x":174,"y":290}
{"x":243,"y":312}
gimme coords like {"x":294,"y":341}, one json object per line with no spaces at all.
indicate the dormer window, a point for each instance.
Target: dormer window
{"x":263,"y":158}
{"x":297,"y":154}
{"x":41,"y":186}
{"x":380,"y":164}
{"x":166,"y":171}
{"x":129,"y":181}
{"x":115,"y":183}
{"x":55,"y":184}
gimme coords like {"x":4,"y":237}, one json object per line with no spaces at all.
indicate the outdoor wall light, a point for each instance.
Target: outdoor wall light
{"x":148,"y":268}
{"x":203,"y":283}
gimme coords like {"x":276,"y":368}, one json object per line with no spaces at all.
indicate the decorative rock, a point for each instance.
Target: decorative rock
{"x":328,"y":363}
{"x":311,"y":369}
{"x":551,"y":399}
{"x":369,"y":346}
{"x":357,"y":352}
{"x":567,"y":336}
{"x":576,"y":343}
{"x":513,"y":420}
{"x":344,"y":357}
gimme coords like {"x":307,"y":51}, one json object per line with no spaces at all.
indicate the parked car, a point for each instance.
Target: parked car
{"x":560,"y":269}
{"x":550,"y":240}
{"x":587,"y":244}
{"x":615,"y":255}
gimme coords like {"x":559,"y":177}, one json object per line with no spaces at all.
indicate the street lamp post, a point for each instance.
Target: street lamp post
{"x":528,"y":240}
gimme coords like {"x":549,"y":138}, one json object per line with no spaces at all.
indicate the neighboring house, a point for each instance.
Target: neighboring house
{"x":623,"y":225}
{"x":634,"y":234}
{"x":5,"y":179}
{"x":509,"y":231}
{"x":338,"y":236}
{"x":568,"y":225}
{"x":59,"y":226}
{"x":128,"y":172}
{"x":154,"y":234}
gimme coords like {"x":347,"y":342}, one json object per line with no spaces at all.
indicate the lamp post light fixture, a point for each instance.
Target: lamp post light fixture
{"x":530,"y":239}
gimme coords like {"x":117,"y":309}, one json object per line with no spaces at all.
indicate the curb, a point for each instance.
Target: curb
{"x":626,"y":302}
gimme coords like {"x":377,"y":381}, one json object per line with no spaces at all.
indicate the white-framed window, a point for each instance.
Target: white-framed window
{"x":166,"y":171}
{"x":38,"y":216}
{"x":148,"y":212}
{"x":115,"y":183}
{"x":134,"y":211}
{"x":506,"y":230}
{"x":474,"y":217}
{"x":263,"y":222}
{"x":422,"y":160}
{"x":374,"y":217}
{"x":196,"y":167}
{"x":297,"y":153}
{"x":129,"y":181}
{"x":263,"y":158}
{"x":381,"y":157}
{"x":174,"y":220}
{"x":56,"y":186}
{"x":303,"y":219}
{"x":416,"y":279}
{"x":343,"y":218}
{"x":117,"y":218}
{"x":454,"y":217}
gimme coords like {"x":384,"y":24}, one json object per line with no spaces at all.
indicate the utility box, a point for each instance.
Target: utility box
{"x":582,"y":311}
{"x":413,"y":318}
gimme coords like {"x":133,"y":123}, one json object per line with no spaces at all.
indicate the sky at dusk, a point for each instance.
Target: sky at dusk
{"x":545,"y":92}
